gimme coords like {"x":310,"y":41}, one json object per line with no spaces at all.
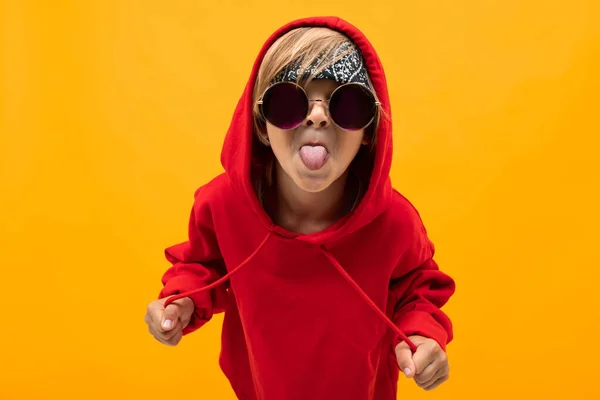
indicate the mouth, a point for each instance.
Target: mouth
{"x":314,"y":155}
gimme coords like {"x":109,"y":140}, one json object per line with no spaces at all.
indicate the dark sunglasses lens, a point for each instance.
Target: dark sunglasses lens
{"x":352,"y":107}
{"x":285,"y":105}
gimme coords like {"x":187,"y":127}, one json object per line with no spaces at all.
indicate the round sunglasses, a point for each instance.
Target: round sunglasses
{"x":352,"y":106}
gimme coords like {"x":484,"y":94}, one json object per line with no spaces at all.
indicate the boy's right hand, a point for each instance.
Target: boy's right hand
{"x":166,"y":324}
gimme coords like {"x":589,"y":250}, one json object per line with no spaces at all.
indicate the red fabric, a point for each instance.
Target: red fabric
{"x":309,"y":316}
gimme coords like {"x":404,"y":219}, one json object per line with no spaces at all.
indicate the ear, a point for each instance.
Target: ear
{"x":261,"y":133}
{"x":365,"y":140}
{"x":264,"y":139}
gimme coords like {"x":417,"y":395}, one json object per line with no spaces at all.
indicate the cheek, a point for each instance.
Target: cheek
{"x":349,"y":143}
{"x":280,"y":141}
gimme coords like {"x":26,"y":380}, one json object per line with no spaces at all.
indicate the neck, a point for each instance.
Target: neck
{"x":307,"y":212}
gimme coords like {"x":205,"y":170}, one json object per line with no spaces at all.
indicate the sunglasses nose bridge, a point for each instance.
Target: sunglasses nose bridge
{"x":323,"y":103}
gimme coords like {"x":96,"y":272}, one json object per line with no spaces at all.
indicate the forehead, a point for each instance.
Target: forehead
{"x":319,"y":86}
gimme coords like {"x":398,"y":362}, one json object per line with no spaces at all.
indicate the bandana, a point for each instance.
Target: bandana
{"x":349,"y":68}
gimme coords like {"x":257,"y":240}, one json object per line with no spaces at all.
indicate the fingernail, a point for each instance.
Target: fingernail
{"x":167,"y":323}
{"x":406,"y":371}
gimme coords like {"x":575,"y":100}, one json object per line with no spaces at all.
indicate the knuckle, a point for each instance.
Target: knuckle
{"x":152,"y":306}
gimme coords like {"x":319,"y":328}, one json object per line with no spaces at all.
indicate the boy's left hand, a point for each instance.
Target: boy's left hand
{"x":428,"y":365}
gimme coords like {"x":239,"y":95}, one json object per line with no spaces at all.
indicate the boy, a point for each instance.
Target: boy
{"x":324,"y":272}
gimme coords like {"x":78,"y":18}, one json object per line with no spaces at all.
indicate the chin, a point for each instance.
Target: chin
{"x":314,"y":181}
{"x":313,"y":184}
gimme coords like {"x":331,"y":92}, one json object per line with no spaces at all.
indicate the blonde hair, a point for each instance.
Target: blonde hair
{"x":306,"y":46}
{"x":301,"y":44}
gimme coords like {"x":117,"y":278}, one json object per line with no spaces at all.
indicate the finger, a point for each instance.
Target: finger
{"x":187,"y":308}
{"x":173,"y":336}
{"x":437,"y":382}
{"x":404,"y":357}
{"x":155,"y":334}
{"x":428,"y":373}
{"x":175,"y":339}
{"x":425,"y":355}
{"x":168,"y":335}
{"x":159,"y":333}
{"x":434,"y":377}
{"x":170,"y":316}
{"x":152,"y":316}
{"x":152,"y":311}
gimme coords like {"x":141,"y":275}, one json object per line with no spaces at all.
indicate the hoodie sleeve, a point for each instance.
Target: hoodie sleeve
{"x":420,"y":290}
{"x":196,"y":263}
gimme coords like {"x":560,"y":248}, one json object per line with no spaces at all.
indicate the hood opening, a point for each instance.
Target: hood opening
{"x":245,"y":158}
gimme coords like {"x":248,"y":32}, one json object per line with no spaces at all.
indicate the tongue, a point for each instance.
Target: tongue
{"x":313,"y":157}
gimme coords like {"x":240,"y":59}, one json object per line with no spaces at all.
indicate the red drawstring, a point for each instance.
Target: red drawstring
{"x":220,"y":280}
{"x":367,"y":299}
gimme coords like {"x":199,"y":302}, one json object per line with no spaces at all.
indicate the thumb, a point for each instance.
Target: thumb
{"x":170,"y":317}
{"x":405,"y":361}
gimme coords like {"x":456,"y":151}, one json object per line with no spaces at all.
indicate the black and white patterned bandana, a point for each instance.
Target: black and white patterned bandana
{"x":349,"y":68}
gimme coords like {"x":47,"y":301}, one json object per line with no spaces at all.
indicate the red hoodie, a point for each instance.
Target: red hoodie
{"x":309,"y":316}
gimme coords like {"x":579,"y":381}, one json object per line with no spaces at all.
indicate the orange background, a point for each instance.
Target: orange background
{"x":113,"y":112}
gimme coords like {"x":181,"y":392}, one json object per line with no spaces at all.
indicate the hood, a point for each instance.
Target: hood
{"x":236,"y":155}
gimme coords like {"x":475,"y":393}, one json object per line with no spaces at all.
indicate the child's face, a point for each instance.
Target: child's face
{"x":318,"y":152}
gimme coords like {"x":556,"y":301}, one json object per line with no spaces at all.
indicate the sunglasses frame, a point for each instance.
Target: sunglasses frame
{"x":376,"y":104}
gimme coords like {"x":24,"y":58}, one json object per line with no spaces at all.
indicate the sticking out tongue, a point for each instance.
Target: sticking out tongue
{"x":314,"y":157}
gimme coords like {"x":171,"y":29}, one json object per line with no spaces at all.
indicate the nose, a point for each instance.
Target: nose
{"x":317,"y":117}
